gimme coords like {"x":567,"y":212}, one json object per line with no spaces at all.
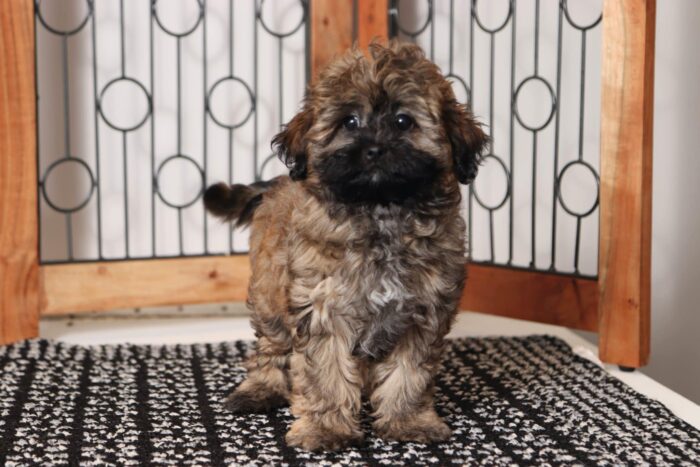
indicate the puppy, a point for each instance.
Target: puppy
{"x":358,"y":257}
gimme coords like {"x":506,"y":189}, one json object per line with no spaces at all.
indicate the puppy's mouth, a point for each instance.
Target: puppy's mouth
{"x":399,"y":175}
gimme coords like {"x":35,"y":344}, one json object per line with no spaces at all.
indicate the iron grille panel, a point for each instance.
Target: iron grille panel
{"x":143,"y":104}
{"x":207,"y":91}
{"x":540,"y":176}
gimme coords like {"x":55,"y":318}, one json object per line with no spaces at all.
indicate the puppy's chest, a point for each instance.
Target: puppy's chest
{"x":384,"y":261}
{"x":395,"y":261}
{"x":385,"y":243}
{"x":381,"y":268}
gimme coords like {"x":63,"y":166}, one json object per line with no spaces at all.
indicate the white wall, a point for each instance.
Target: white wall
{"x":675,"y":346}
{"x":534,"y":105}
{"x":125,"y":104}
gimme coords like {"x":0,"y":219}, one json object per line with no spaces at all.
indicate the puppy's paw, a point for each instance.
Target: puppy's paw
{"x":305,"y":435}
{"x":433,"y":431}
{"x":246,"y":401}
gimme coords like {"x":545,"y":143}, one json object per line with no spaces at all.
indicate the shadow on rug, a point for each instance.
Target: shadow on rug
{"x":509,"y":401}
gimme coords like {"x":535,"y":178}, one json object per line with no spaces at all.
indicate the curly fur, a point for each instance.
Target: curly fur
{"x":358,"y":262}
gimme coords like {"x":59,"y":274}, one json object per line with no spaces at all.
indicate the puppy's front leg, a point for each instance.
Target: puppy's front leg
{"x":402,"y":395}
{"x":326,"y":381}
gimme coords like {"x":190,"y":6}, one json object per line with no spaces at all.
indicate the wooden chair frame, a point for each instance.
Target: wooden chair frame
{"x":617,"y":305}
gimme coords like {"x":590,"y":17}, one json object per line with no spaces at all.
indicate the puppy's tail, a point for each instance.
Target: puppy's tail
{"x":236,"y":202}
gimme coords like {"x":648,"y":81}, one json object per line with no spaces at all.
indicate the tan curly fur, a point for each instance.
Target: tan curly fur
{"x":358,"y":258}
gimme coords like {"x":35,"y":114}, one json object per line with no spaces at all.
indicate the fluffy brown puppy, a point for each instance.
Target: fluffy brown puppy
{"x":358,"y":256}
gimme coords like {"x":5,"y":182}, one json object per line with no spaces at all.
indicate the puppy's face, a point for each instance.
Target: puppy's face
{"x":385,"y":129}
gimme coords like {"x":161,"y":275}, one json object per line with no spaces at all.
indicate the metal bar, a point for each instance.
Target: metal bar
{"x":280,"y":88}
{"x":126,"y":193}
{"x":98,"y":177}
{"x":255,"y":90}
{"x":557,"y":127}
{"x":492,"y":130}
{"x":37,"y":152}
{"x":67,"y":138}
{"x":179,"y":96}
{"x":153,"y":133}
{"x":577,"y":244}
{"x":205,"y":154}
{"x":491,"y":236}
{"x":537,"y":36}
{"x":492,"y":84}
{"x":582,"y":97}
{"x":533,"y":201}
{"x":122,"y":38}
{"x":580,"y":139}
{"x":69,"y":235}
{"x":451,"y":61}
{"x":511,"y":201}
{"x":66,"y":97}
{"x":231,"y":229}
{"x":470,"y":196}
{"x":431,"y":12}
{"x":179,"y":230}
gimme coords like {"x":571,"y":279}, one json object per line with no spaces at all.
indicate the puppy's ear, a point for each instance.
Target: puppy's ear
{"x":290,"y":143}
{"x":467,"y":139}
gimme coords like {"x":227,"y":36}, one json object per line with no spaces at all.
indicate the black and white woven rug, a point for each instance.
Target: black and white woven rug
{"x":509,"y":401}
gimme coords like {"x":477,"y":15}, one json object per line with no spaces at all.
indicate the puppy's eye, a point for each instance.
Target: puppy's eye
{"x":403,"y":122}
{"x":351,"y":123}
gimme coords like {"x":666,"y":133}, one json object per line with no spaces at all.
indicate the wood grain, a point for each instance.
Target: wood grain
{"x":84,"y":287}
{"x":533,"y":296}
{"x":372,"y":21}
{"x":139,"y":283}
{"x":331,"y":31}
{"x":625,"y":181}
{"x":19,"y":267}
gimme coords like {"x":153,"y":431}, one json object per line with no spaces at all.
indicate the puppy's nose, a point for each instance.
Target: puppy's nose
{"x":373,"y":152}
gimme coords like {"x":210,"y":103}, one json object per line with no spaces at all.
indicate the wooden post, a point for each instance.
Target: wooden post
{"x":372,"y":21}
{"x":331,"y":23}
{"x":19,"y":263}
{"x":625,"y":189}
{"x":331,"y":31}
